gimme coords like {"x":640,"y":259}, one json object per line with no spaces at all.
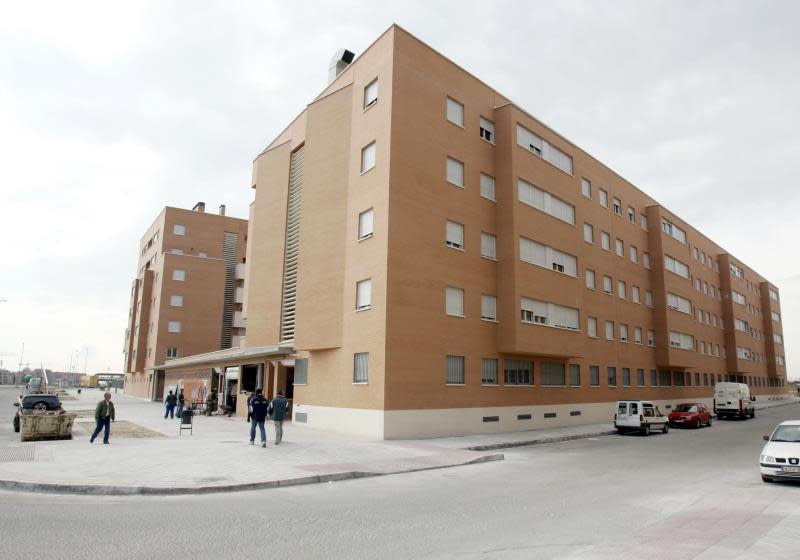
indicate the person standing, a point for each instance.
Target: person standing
{"x":258,"y":415}
{"x":181,"y":402}
{"x":277,"y":411}
{"x":170,"y":400}
{"x":104,"y":415}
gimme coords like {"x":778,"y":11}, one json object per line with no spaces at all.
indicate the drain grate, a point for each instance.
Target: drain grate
{"x":21,"y":453}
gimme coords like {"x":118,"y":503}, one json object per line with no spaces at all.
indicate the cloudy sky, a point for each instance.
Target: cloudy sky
{"x":111,"y":110}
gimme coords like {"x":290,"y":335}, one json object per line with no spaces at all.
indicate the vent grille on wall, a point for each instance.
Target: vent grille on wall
{"x":291,"y":252}
{"x":229,"y":244}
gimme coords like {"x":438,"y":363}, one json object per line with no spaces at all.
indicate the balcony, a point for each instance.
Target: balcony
{"x":238,"y":320}
{"x":240,"y":268}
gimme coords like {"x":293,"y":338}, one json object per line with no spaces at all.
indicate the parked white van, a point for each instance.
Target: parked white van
{"x":733,"y":399}
{"x":640,"y":416}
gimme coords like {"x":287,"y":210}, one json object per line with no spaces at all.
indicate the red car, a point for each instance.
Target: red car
{"x":695,"y":415}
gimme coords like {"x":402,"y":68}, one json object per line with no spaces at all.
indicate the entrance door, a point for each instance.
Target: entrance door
{"x":290,"y":383}
{"x":158,"y":389}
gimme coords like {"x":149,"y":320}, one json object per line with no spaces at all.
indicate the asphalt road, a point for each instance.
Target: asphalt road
{"x":686,"y":494}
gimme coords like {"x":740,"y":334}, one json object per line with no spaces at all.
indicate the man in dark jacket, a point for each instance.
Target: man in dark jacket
{"x":104,"y":415}
{"x":277,"y":411}
{"x":171,"y":400}
{"x":181,"y":403}
{"x":258,"y":415}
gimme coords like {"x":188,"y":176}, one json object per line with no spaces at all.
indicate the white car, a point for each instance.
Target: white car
{"x":639,"y":416}
{"x":780,"y":458}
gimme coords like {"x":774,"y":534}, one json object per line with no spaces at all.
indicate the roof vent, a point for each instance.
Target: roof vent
{"x":200,"y":207}
{"x":221,"y":209}
{"x":341,"y":60}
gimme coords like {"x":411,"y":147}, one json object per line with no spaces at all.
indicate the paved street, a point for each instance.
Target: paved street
{"x":687,"y":494}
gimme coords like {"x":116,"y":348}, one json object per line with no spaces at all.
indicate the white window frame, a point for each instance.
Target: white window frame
{"x":366,"y":223}
{"x":488,"y":187}
{"x":455,"y":112}
{"x":486,"y":130}
{"x":368,"y":157}
{"x":178,"y":229}
{"x":371,"y":94}
{"x":590,"y":279}
{"x":454,"y":172}
{"x":488,"y":308}
{"x":174,"y":326}
{"x":588,"y":233}
{"x":176,"y":300}
{"x":454,"y":301}
{"x":488,"y":246}
{"x":454,"y":235}
{"x":586,"y":187}
{"x":178,"y":274}
{"x":364,"y":294}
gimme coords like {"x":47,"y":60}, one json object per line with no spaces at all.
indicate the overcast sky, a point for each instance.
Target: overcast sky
{"x":111,"y":110}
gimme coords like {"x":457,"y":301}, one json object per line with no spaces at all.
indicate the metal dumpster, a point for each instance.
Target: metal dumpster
{"x":37,"y":425}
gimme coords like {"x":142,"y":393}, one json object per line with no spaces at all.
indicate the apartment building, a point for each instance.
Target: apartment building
{"x":427,"y":258}
{"x":186,"y":298}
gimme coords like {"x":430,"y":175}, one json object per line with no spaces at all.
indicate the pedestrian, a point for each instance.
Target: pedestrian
{"x":277,"y":411}
{"x":181,"y":402}
{"x":104,"y":415}
{"x":170,"y":400}
{"x":258,"y":415}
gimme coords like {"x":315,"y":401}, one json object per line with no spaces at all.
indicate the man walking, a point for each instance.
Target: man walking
{"x":277,"y":411}
{"x":181,"y":402}
{"x":258,"y":415}
{"x":104,"y":414}
{"x":170,"y":400}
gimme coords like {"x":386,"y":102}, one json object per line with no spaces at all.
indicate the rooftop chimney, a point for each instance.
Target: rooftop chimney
{"x":200,"y":207}
{"x":221,"y":209}
{"x":341,"y":60}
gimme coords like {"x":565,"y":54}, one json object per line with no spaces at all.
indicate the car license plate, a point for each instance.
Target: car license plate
{"x":791,"y":469}
{"x":679,"y":420}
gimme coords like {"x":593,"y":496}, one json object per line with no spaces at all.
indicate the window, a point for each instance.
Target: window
{"x":594,"y":376}
{"x":646,"y":260}
{"x":631,"y":215}
{"x":488,"y":245}
{"x":609,"y":330}
{"x":364,"y":294}
{"x":454,"y":301}
{"x":202,"y":254}
{"x":553,"y":373}
{"x":590,"y":279}
{"x":634,"y":252}
{"x":773,"y":294}
{"x":518,"y":372}
{"x":361,"y":367}
{"x":681,"y":340}
{"x":575,"y":375}
{"x":637,"y":335}
{"x":365,"y":224}
{"x":544,"y":201}
{"x":454,"y":235}
{"x":543,"y":149}
{"x":172,"y":352}
{"x":607,"y":284}
{"x":586,"y":188}
{"x":454,"y":370}
{"x":736,"y":271}
{"x":455,"y":112}
{"x":174,"y":326}
{"x":368,"y":157}
{"x":674,"y":231}
{"x":545,"y":313}
{"x":612,"y":376}
{"x":622,"y":289}
{"x":743,"y":353}
{"x":541,"y":255}
{"x":626,"y":377}
{"x":738,"y":298}
{"x":178,"y":229}
{"x":651,"y":338}
{"x":653,"y":378}
{"x":780,"y":361}
{"x":696,"y":253}
{"x":643,"y":222}
{"x":588,"y":233}
{"x":676,"y":266}
{"x":665,"y":378}
{"x":603,"y":198}
{"x":176,"y":251}
{"x":489,"y":308}
{"x":777,"y":338}
{"x":617,"y":206}
{"x":620,"y":245}
{"x":623,"y":333}
{"x":176,"y":301}
{"x":178,"y":274}
{"x":487,"y":186}
{"x":640,"y":377}
{"x":455,"y":172}
{"x":605,"y":241}
{"x":679,"y":303}
{"x":742,"y":326}
{"x":591,"y":327}
{"x":635,"y":294}
{"x":776,"y":317}
{"x":487,"y":130}
{"x":371,"y":94}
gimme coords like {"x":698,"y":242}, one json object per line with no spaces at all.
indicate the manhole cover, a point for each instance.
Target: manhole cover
{"x":14,"y":454}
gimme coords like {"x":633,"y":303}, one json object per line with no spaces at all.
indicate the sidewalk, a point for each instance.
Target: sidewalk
{"x":148,"y":456}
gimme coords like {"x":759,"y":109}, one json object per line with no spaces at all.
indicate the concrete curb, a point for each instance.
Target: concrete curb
{"x":511,"y":444}
{"x":112,"y":490}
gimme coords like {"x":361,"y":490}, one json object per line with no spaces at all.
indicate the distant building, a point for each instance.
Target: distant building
{"x":187,"y":295}
{"x":427,"y":258}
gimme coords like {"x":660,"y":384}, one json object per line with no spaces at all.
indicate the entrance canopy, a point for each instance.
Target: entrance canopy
{"x":230,"y":356}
